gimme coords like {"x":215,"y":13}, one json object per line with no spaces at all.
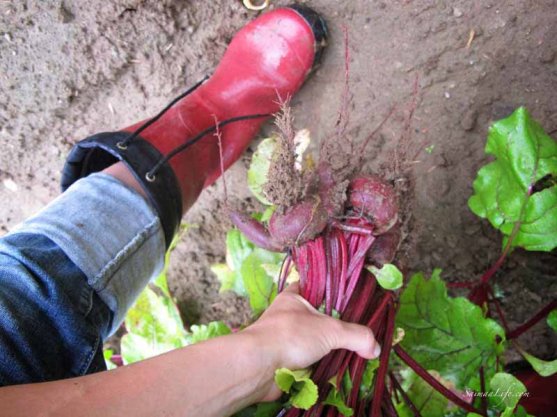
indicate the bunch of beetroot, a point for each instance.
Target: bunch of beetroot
{"x":330,"y":231}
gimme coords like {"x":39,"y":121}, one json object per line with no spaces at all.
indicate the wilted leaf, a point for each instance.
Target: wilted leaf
{"x":520,"y":186}
{"x":449,"y":335}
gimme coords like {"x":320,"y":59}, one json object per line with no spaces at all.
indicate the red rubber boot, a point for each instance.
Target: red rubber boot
{"x":176,"y":154}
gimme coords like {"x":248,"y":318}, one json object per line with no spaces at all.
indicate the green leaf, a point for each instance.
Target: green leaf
{"x":107,"y":354}
{"x":552,"y":320}
{"x":259,"y":168}
{"x":525,"y":154}
{"x":298,"y":384}
{"x":266,"y":215}
{"x":267,"y":409}
{"x":335,"y":399}
{"x":228,"y":279}
{"x":260,"y":287}
{"x":238,"y":248}
{"x":389,"y":276}
{"x":202,"y":332}
{"x":507,"y":389}
{"x":154,"y":326}
{"x":427,"y":400}
{"x":544,"y":368}
{"x":366,"y":386}
{"x":449,"y":335}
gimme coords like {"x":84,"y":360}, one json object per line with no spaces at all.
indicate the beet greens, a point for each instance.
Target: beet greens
{"x":444,"y":349}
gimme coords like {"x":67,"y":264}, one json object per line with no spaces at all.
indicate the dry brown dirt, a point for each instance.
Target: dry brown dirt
{"x":72,"y":68}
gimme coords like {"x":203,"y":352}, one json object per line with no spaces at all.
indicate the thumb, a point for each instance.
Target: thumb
{"x":357,"y":338}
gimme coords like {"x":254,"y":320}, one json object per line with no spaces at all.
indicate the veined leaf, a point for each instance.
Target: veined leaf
{"x":449,"y":335}
{"x":520,"y":186}
{"x":427,"y":400}
{"x":298,"y":384}
{"x":202,"y":332}
{"x":154,"y":326}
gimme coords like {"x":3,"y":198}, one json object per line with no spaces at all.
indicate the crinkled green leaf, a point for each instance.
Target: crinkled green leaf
{"x":552,"y":320}
{"x":154,"y":326}
{"x":524,"y":154}
{"x":544,"y":368}
{"x":259,"y":168}
{"x":427,"y":400}
{"x":260,"y":286}
{"x":335,"y":399}
{"x":298,"y":384}
{"x":201,"y":332}
{"x":507,"y":390}
{"x":389,"y":276}
{"x":449,"y":335}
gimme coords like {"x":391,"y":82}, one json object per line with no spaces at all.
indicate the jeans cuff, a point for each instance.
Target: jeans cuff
{"x":111,"y":233}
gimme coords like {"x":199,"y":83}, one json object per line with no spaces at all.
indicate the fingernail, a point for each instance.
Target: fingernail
{"x":376,"y":351}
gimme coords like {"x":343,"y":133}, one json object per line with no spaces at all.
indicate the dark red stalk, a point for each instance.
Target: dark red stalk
{"x":482,"y":387}
{"x":284,"y":271}
{"x":537,"y":317}
{"x":427,"y":377}
{"x":404,"y":396}
{"x":383,"y":362}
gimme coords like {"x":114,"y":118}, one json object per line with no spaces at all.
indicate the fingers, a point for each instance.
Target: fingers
{"x":357,"y":338}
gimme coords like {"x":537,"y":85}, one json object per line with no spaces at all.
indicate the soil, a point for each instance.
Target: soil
{"x":72,"y":68}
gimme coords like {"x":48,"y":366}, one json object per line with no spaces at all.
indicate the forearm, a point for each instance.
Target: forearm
{"x":214,"y":378}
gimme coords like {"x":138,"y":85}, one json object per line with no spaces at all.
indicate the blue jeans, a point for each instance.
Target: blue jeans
{"x":69,"y":274}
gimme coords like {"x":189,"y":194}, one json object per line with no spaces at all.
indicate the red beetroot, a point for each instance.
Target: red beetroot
{"x":298,"y":224}
{"x":376,"y":199}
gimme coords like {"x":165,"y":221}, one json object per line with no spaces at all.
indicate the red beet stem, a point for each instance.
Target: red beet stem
{"x":537,"y":317}
{"x":427,"y":377}
{"x":383,"y":363}
{"x":404,"y":396}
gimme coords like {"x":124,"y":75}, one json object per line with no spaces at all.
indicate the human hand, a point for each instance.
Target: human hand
{"x":292,"y":334}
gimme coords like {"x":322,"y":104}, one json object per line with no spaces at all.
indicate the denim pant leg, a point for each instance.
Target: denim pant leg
{"x":68,"y":276}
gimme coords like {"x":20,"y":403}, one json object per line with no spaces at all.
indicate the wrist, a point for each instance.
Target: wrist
{"x":265,"y":357}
